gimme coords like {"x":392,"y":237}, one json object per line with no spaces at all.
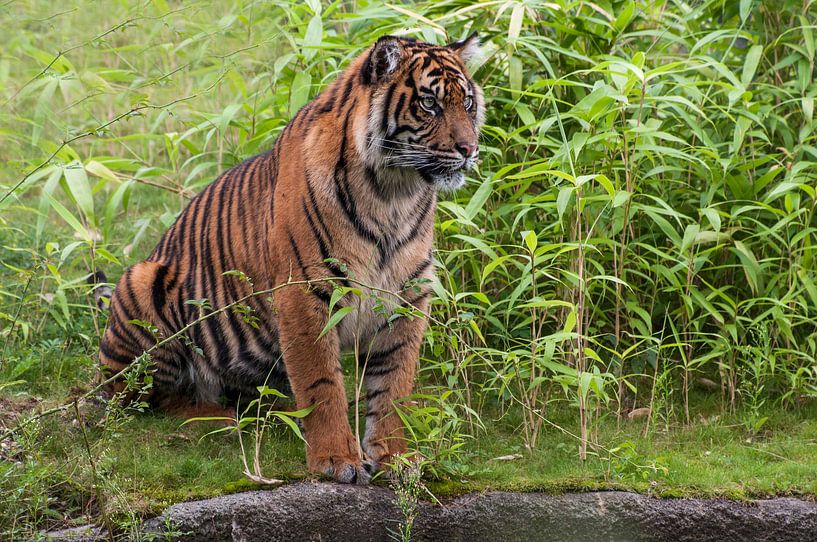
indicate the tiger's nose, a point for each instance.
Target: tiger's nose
{"x":465,"y":149}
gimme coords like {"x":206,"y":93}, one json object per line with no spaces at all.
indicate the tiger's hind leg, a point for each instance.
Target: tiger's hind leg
{"x":139,"y":317}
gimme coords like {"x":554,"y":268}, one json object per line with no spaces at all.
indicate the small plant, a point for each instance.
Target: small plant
{"x":256,"y":419}
{"x":436,"y":430}
{"x":624,"y":462}
{"x":406,"y":482}
{"x":753,"y":377}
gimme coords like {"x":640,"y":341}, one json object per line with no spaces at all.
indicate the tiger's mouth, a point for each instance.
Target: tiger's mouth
{"x":443,"y":172}
{"x":442,"y":169}
{"x":445,"y":165}
{"x":444,"y":178}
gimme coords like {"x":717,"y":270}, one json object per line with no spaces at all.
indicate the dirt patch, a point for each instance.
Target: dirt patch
{"x":13,"y":409}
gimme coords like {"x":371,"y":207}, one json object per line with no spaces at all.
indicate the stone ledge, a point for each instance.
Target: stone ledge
{"x":325,"y":511}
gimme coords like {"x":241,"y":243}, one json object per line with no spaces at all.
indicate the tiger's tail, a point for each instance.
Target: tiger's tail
{"x":102,"y":289}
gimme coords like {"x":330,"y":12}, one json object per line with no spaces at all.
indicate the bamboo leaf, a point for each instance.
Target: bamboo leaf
{"x":750,"y":64}
{"x":335,"y":319}
{"x":79,"y":188}
{"x":69,"y":218}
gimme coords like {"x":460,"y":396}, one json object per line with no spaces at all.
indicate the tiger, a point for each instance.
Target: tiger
{"x":347,"y":192}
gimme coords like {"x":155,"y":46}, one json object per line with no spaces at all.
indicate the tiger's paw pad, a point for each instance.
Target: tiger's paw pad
{"x":346,"y":472}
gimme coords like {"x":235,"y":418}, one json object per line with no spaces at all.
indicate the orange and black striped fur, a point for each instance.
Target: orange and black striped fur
{"x":351,"y":181}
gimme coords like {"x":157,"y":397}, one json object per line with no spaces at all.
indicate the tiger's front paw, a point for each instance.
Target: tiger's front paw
{"x":346,"y":470}
{"x":381,"y":453}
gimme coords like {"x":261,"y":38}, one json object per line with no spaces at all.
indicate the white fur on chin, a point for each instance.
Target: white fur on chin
{"x":448,"y":182}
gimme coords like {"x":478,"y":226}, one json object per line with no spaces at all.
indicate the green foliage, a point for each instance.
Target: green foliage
{"x":407,"y":485}
{"x":257,"y":418}
{"x":642,"y":222}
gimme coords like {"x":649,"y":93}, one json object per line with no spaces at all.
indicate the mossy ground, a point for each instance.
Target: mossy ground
{"x":149,"y":461}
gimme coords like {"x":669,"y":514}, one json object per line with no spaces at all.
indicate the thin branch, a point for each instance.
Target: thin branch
{"x":60,"y":54}
{"x":9,"y":432}
{"x":101,"y":127}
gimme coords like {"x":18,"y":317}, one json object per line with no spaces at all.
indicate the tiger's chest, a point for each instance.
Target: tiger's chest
{"x":383,"y":277}
{"x":378,"y":292}
{"x":380,"y":242}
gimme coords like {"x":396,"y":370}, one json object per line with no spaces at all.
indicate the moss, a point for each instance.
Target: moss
{"x":238,"y":486}
{"x":151,"y":461}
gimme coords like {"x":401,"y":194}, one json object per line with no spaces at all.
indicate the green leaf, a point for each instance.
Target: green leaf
{"x":515,"y":26}
{"x":48,"y":190}
{"x":107,"y":255}
{"x":745,"y":9}
{"x":117,"y":202}
{"x":690,"y":235}
{"x":313,"y":37}
{"x":68,"y":217}
{"x":491,"y":266}
{"x":625,"y":16}
{"x":265,"y":391}
{"x":781,"y":188}
{"x":562,"y":200}
{"x":299,"y":91}
{"x":808,"y":285}
{"x":570,"y":322}
{"x":315,"y":6}
{"x":808,"y":37}
{"x":42,"y":110}
{"x":79,"y":189}
{"x":337,"y":295}
{"x":621,"y":197}
{"x":666,"y":227}
{"x":473,"y":325}
{"x":515,"y":69}
{"x":101,"y":170}
{"x":335,"y":319}
{"x":750,"y":64}
{"x":750,"y":265}
{"x":477,"y":201}
{"x":606,"y":184}
{"x":291,"y":424}
{"x":530,"y":240}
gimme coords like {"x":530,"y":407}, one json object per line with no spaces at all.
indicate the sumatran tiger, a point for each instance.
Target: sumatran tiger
{"x":348,"y":191}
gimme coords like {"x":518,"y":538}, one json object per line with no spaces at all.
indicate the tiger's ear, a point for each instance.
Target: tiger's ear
{"x":467,"y":49}
{"x":384,"y":59}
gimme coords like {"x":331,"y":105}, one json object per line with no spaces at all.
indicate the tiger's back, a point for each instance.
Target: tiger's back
{"x":348,"y":193}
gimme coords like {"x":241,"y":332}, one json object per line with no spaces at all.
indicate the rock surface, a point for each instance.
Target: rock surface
{"x":320,"y":511}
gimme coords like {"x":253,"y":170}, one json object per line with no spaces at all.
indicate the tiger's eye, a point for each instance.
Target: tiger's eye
{"x":468,"y":102}
{"x":428,"y":102}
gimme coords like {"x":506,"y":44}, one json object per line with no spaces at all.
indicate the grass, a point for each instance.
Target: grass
{"x":145,"y":462}
{"x":148,"y":461}
{"x":715,"y":458}
{"x":642,"y":221}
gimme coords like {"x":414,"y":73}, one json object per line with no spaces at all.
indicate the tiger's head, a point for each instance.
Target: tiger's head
{"x":425,"y":110}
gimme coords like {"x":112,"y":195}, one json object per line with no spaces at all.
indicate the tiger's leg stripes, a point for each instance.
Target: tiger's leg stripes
{"x":148,"y":287}
{"x":313,"y":366}
{"x":388,"y":374}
